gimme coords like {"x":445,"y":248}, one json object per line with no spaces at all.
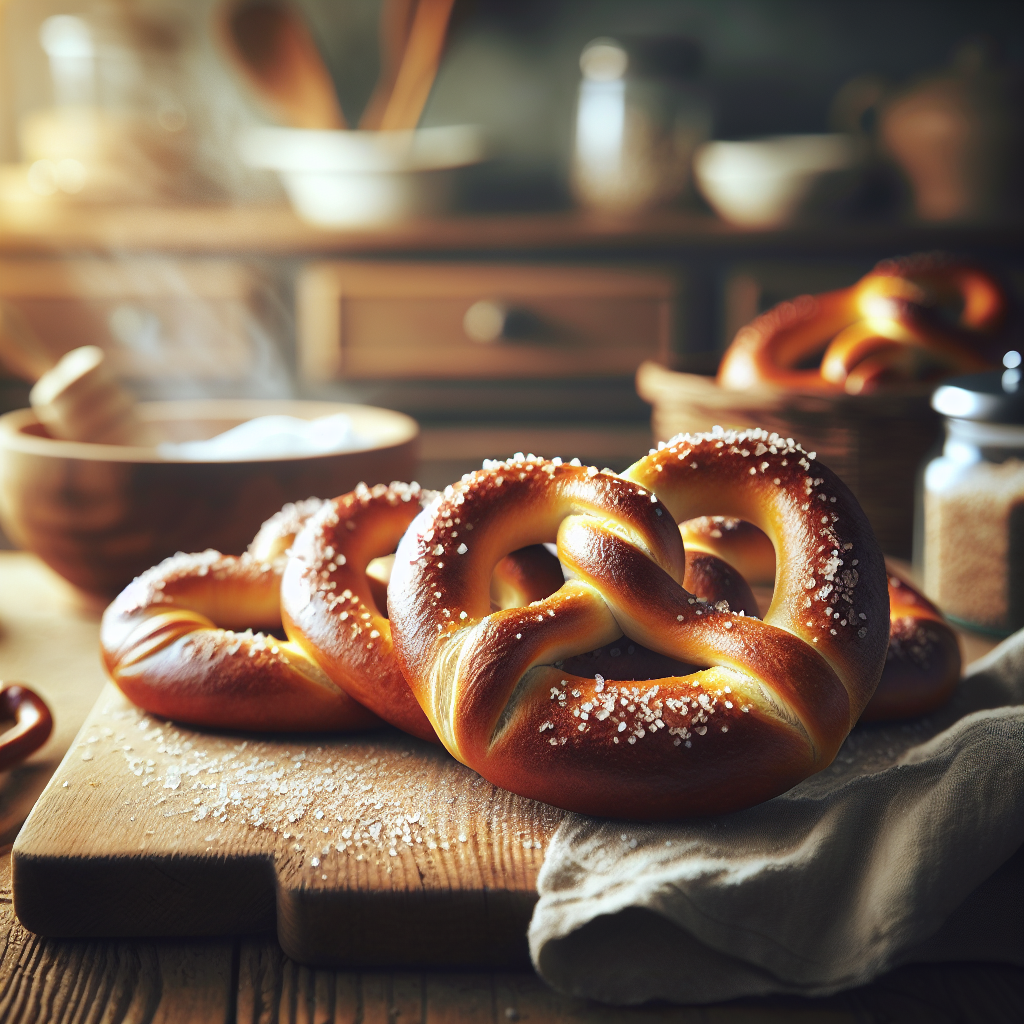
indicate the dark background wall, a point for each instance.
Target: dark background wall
{"x":771,"y":65}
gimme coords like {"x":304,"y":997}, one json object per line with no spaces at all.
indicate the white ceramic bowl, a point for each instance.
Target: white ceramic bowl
{"x":339,"y":178}
{"x":774,"y":181}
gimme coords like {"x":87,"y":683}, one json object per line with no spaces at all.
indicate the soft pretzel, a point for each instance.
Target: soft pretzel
{"x":741,"y":544}
{"x":179,"y":642}
{"x":909,"y":319}
{"x":922,"y":663}
{"x":771,"y":702}
{"x":335,"y":584}
{"x":328,"y":603}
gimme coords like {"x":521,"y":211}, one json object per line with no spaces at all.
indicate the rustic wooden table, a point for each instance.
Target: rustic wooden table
{"x":48,"y":638}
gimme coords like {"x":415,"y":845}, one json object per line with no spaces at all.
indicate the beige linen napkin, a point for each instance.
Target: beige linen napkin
{"x":902,"y":850}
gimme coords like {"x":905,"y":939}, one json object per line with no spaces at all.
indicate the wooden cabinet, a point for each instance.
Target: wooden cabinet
{"x":454,"y":321}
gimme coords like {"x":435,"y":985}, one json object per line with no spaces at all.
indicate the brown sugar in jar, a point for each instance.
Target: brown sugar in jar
{"x":973,"y":502}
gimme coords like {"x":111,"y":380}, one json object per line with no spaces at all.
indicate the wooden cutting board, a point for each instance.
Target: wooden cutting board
{"x":361,"y":851}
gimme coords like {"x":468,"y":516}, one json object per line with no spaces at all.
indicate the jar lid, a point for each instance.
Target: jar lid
{"x":993,"y":397}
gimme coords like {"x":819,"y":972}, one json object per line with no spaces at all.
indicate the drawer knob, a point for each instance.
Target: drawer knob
{"x":488,"y":321}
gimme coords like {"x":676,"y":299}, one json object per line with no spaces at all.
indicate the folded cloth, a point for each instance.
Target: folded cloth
{"x":879,"y":860}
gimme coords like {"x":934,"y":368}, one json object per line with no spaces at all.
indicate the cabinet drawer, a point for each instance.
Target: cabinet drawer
{"x":363,"y":321}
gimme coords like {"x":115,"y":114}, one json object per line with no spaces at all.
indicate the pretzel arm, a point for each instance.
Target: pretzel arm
{"x":163,"y":648}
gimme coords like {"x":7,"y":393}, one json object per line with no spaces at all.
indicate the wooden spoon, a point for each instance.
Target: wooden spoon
{"x":396,"y":18}
{"x":272,"y":47}
{"x":79,"y":399}
{"x":75,"y":397}
{"x":419,"y":65}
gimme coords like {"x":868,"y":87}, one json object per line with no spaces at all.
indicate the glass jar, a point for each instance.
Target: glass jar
{"x":973,"y":503}
{"x":640,"y":117}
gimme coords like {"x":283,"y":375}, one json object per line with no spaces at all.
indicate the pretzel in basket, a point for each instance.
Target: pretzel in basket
{"x":922,"y":663}
{"x":909,"y":319}
{"x":770,"y":702}
{"x":179,"y":642}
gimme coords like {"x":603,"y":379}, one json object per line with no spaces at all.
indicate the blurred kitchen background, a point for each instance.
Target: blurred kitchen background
{"x":501,"y":277}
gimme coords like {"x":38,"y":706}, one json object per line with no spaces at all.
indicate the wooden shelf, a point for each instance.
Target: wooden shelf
{"x":277,"y":231}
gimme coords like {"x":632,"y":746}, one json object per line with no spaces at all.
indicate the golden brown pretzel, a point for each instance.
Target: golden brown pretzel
{"x":909,"y":319}
{"x":777,"y":697}
{"x":178,"y":642}
{"x":332,"y":609}
{"x":922,"y":663}
{"x":328,"y":605}
{"x":741,"y":544}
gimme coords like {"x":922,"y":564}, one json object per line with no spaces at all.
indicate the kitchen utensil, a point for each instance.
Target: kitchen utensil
{"x":100,"y":514}
{"x":79,"y":399}
{"x":76,"y":397}
{"x":269,"y":43}
{"x":33,"y":723}
{"x":975,"y":489}
{"x":959,"y":137}
{"x":419,"y":65}
{"x":396,"y":18}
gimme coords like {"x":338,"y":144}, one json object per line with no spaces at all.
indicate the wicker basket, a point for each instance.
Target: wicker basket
{"x":874,"y":442}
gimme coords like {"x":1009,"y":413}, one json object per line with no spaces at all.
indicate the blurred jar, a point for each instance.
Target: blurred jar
{"x":640,"y":117}
{"x":959,"y":138}
{"x":973,"y":502}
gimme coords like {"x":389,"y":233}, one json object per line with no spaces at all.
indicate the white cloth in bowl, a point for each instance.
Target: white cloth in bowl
{"x":901,"y":851}
{"x":268,"y":437}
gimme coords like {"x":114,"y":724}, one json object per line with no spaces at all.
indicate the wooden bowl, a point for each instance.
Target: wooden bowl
{"x":101,"y":514}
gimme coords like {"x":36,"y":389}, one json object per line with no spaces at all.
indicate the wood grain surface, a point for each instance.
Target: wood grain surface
{"x":371,"y":850}
{"x":49,"y":638}
{"x":251,"y":981}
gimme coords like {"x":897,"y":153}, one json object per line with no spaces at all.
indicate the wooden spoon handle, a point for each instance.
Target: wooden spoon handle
{"x":419,"y":65}
{"x":33,"y":723}
{"x":396,"y":18}
{"x":272,"y":48}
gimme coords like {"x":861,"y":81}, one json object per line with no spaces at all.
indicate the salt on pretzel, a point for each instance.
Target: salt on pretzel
{"x":329,"y":606}
{"x":908,"y":319}
{"x":333,"y":594}
{"x":179,"y":642}
{"x":922,"y":662}
{"x":773,"y":699}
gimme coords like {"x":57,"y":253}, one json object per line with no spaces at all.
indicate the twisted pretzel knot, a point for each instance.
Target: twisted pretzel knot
{"x":908,"y":319}
{"x":179,"y":642}
{"x":774,"y":699}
